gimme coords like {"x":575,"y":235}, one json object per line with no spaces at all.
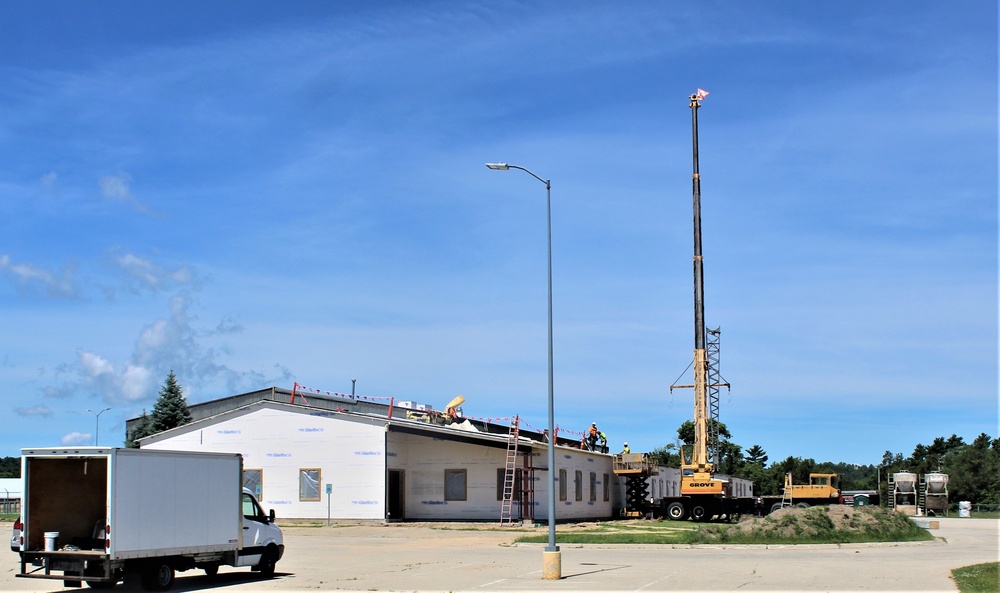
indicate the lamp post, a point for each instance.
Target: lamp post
{"x":552,"y":562}
{"x":97,"y":429}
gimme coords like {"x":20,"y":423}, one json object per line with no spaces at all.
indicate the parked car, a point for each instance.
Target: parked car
{"x":15,"y":537}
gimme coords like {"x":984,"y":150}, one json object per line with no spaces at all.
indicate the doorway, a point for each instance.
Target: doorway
{"x":396,"y":499}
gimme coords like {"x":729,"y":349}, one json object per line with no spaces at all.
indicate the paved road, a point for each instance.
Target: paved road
{"x":415,"y":557}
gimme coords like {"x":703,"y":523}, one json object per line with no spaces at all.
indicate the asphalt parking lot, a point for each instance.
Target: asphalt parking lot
{"x":421,"y":557}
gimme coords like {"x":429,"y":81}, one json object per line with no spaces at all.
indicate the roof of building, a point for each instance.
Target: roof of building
{"x":397,"y":418}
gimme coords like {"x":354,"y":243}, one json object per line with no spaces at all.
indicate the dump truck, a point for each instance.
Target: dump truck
{"x":100,"y":515}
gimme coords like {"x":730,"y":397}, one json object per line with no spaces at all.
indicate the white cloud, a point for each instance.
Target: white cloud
{"x":146,"y":274}
{"x":76,"y":438}
{"x":169,"y":343}
{"x":30,"y":278}
{"x":93,"y":365}
{"x":117,"y":188}
{"x":39,"y":410}
{"x":136,"y":382}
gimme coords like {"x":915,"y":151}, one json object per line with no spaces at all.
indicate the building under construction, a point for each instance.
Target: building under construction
{"x":312,"y":455}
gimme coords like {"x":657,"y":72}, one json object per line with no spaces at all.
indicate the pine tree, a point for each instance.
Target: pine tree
{"x":170,"y":409}
{"x":143,"y":428}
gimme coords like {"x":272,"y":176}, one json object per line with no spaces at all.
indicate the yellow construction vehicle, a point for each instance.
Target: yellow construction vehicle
{"x":702,"y":495}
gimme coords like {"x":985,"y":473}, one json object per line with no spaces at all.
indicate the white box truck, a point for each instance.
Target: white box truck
{"x":97,"y":514}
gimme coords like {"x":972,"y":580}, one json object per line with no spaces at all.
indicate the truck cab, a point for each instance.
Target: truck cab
{"x":262,"y":545}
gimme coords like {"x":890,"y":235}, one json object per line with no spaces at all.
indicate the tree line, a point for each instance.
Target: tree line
{"x":973,"y":468}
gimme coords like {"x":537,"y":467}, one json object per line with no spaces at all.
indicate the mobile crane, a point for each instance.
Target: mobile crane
{"x":703,"y":495}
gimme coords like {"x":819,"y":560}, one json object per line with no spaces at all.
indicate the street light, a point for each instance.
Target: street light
{"x":552,"y":562}
{"x":97,"y":429}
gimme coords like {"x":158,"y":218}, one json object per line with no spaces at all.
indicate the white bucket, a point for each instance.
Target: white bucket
{"x":965,"y":509}
{"x":51,"y":540}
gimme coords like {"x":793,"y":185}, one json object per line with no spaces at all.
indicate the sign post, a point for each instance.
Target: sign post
{"x":329,"y":493}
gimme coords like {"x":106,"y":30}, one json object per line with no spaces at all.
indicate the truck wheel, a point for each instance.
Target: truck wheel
{"x":776,"y":507}
{"x":698,"y":513}
{"x":267,"y":562}
{"x":676,"y":511}
{"x":157,"y":576}
{"x":802,"y":505}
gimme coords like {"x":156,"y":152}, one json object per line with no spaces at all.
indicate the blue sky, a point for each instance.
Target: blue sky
{"x":259,"y":193}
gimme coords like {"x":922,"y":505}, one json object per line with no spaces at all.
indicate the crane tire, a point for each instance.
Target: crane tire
{"x":676,"y":511}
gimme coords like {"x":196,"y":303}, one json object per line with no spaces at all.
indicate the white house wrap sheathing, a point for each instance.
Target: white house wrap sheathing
{"x":283,"y":441}
{"x":443,"y":473}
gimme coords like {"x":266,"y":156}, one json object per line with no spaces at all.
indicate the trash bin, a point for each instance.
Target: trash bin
{"x":964,"y":509}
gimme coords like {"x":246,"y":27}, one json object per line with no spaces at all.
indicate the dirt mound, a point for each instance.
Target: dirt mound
{"x":809,"y":522}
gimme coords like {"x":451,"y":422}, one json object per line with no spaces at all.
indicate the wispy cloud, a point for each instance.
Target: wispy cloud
{"x":39,"y":410}
{"x":145,"y":274}
{"x":32,"y":279}
{"x":118,"y":188}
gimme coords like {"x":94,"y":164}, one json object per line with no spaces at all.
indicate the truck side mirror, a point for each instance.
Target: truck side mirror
{"x":270,"y":516}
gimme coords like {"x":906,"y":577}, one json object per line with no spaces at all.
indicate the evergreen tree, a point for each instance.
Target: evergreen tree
{"x":756,"y":455}
{"x":143,"y":428}
{"x":170,"y":409}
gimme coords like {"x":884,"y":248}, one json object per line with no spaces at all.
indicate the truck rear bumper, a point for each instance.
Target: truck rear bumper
{"x":66,"y":566}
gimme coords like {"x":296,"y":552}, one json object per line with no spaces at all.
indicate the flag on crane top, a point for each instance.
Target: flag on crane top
{"x":701,"y":94}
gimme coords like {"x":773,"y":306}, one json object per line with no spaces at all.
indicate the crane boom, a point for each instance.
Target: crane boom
{"x":696,"y":468}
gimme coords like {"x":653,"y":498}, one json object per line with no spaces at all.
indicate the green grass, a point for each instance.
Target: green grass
{"x":659,"y":532}
{"x":979,"y":578}
{"x":981,"y":514}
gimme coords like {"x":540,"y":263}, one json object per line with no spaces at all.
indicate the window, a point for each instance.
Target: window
{"x":578,"y":484}
{"x":253,"y":480}
{"x":593,"y":486}
{"x":309,"y":480}
{"x":251,"y":510}
{"x":607,"y":488}
{"x":562,"y":485}
{"x":501,"y":478}
{"x":455,"y":481}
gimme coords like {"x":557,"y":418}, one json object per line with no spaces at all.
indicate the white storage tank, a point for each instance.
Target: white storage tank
{"x":937,"y":483}
{"x":905,"y":481}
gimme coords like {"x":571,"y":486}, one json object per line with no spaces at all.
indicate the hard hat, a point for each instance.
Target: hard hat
{"x":626,"y":443}
{"x":593,"y":424}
